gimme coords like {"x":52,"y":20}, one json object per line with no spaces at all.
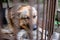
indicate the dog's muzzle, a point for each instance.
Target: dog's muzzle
{"x":34,"y":27}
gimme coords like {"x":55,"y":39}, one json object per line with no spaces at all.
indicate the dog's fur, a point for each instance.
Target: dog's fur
{"x":19,"y":15}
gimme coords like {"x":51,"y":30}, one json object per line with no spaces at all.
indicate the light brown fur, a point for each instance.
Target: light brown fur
{"x":15,"y":16}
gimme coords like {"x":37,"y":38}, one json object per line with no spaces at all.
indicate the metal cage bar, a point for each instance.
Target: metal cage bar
{"x":30,"y":24}
{"x":51,"y":18}
{"x":37,"y":17}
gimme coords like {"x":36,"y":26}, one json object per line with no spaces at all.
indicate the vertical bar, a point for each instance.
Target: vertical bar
{"x":54,"y":8}
{"x":31,"y":17}
{"x":51,"y":18}
{"x":43,"y":19}
{"x":49,"y":21}
{"x":7,"y":3}
{"x":48,"y":18}
{"x":46,"y":12}
{"x":1,"y":18}
{"x":38,"y":14}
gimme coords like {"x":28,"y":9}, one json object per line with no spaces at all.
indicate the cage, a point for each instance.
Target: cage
{"x":39,"y":14}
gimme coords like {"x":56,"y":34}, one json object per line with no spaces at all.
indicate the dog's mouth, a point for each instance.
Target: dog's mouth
{"x":34,"y":27}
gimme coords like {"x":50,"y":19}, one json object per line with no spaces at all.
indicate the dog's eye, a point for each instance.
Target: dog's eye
{"x":34,"y":16}
{"x":28,"y":18}
{"x":25,"y":18}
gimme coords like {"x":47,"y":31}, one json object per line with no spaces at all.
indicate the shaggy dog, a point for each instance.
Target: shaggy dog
{"x":19,"y":15}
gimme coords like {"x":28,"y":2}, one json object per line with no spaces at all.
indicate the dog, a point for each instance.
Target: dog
{"x":18,"y":17}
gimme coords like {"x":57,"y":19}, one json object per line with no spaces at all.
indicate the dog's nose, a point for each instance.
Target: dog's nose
{"x":34,"y":27}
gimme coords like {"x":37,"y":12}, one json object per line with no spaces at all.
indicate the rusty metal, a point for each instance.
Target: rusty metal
{"x":54,"y":8}
{"x":49,"y":27}
{"x":37,"y":18}
{"x":53,"y":15}
{"x":48,"y":21}
{"x":43,"y":19}
{"x":51,"y":18}
{"x":46,"y":9}
{"x":30,"y":24}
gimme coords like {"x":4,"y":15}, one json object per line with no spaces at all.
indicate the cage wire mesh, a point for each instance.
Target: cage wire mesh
{"x":45,"y":20}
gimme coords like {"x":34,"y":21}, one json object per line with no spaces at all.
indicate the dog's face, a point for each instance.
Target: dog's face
{"x":24,"y":12}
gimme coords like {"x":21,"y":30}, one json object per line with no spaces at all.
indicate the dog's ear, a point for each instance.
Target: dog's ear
{"x":34,"y":11}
